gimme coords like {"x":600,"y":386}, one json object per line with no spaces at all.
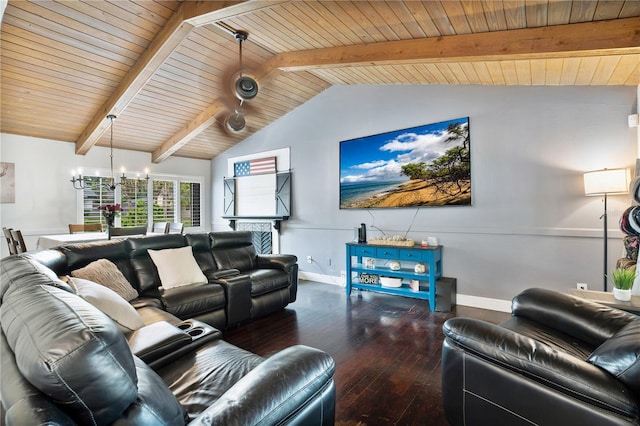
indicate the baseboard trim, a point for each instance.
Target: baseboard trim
{"x":461,"y":299}
{"x":484,"y":303}
{"x":322,"y":278}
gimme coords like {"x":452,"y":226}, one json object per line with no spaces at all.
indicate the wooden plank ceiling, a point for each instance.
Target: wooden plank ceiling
{"x":164,"y":67}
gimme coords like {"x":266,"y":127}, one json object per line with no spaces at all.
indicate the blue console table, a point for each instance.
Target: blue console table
{"x":407,"y":256}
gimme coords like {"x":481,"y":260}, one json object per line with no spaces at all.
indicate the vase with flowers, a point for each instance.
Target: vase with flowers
{"x":109,"y":212}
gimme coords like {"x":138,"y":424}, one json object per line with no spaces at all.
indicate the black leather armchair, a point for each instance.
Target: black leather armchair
{"x":558,"y":360}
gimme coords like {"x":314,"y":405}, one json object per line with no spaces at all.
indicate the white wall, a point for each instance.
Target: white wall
{"x":530,"y":223}
{"x":45,"y":199}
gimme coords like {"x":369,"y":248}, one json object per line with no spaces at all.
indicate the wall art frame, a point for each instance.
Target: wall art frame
{"x":427,"y":165}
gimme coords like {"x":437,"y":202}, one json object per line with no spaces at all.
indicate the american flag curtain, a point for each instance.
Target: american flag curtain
{"x":259,"y":166}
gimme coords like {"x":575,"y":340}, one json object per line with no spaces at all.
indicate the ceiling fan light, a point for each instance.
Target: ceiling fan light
{"x":246,"y":88}
{"x":234,"y":123}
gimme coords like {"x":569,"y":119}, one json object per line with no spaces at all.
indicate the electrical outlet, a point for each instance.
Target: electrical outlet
{"x":582,"y":286}
{"x":309,"y":259}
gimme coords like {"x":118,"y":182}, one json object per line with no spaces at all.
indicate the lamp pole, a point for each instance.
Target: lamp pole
{"x":603,"y":182}
{"x":604,"y":216}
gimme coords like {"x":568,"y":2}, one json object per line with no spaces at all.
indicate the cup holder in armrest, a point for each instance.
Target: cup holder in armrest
{"x":196,"y":329}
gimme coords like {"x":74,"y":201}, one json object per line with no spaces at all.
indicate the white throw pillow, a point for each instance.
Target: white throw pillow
{"x":109,"y":302}
{"x":177,"y":267}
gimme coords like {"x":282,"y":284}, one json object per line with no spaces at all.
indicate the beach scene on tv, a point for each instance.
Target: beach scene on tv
{"x":428,"y":165}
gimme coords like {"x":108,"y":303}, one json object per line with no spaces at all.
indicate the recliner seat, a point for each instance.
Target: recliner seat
{"x":559,"y":359}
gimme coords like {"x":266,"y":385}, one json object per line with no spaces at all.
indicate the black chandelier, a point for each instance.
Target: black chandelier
{"x":79,"y":182}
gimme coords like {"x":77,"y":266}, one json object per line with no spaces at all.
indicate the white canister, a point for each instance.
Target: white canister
{"x":394,"y":265}
{"x":420,"y":268}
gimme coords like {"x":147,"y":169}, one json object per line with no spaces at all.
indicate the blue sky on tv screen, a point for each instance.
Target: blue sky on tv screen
{"x":379,"y":158}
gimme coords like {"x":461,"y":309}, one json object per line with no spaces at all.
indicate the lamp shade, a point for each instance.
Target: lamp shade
{"x":607,"y":181}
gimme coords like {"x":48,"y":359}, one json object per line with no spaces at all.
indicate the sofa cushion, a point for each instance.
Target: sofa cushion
{"x":143,"y":268}
{"x":69,"y":350}
{"x":241,"y":258}
{"x":103,"y":271}
{"x":213,"y":370}
{"x":201,"y":244}
{"x":620,"y":355}
{"x":177,"y":267}
{"x":190,"y":301}
{"x":117,"y":251}
{"x":267,"y":280}
{"x":155,"y":405}
{"x":109,"y":302}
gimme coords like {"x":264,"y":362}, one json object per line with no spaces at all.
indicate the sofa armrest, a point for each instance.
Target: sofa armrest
{"x":276,"y":261}
{"x":223,"y":273}
{"x":153,"y":341}
{"x":522,"y":355}
{"x":276,"y":390}
{"x":588,"y":321}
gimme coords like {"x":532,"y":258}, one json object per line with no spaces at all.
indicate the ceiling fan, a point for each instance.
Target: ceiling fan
{"x":244,"y":88}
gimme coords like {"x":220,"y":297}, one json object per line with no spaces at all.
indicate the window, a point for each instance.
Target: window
{"x":164,"y":201}
{"x":134,"y":203}
{"x":144,"y":202}
{"x":96,"y":194}
{"x":190,"y":204}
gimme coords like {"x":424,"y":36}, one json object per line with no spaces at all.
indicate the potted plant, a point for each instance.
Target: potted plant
{"x":622,"y":282}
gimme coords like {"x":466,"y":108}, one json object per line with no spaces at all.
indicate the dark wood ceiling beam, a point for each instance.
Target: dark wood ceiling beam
{"x":598,"y":38}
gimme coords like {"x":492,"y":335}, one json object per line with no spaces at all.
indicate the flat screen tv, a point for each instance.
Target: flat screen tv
{"x":428,"y":165}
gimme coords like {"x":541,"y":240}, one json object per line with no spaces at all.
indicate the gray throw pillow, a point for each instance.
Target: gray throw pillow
{"x":105,"y":272}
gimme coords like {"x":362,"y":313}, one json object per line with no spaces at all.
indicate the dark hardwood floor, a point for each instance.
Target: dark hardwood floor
{"x":387,"y":350}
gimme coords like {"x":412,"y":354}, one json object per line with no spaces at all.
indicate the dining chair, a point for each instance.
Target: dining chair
{"x":74,"y":227}
{"x":161,"y":227}
{"x":89,"y":227}
{"x":175,"y":228}
{"x":92,"y":227}
{"x":21,"y":247}
{"x":10,"y":241}
{"x":114,"y":231}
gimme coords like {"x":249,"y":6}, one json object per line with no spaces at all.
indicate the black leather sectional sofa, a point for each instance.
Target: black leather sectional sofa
{"x":559,"y":360}
{"x":242,"y":285}
{"x":66,"y":362}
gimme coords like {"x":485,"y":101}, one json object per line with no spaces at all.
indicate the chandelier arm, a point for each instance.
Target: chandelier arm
{"x":80,"y":183}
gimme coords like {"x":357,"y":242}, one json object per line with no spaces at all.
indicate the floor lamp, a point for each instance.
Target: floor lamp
{"x":606,"y":182}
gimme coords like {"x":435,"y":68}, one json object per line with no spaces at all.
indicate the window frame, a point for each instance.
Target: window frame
{"x":178,"y":179}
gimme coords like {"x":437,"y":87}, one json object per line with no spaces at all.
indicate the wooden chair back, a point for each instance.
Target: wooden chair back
{"x":75,"y":227}
{"x":161,"y":227}
{"x":175,"y":228}
{"x":21,"y":247}
{"x":10,"y":241}
{"x":93,"y":227}
{"x":81,"y":227}
{"x":126,"y":231}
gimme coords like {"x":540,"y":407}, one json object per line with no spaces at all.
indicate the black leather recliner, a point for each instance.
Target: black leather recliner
{"x":559,"y":360}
